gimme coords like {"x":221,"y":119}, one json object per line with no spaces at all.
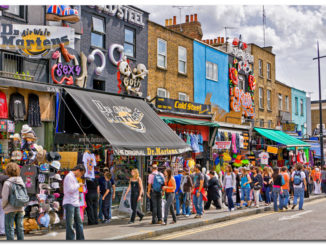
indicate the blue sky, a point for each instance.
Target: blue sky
{"x":291,"y":30}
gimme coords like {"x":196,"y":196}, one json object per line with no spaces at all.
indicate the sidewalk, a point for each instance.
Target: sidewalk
{"x":119,"y":229}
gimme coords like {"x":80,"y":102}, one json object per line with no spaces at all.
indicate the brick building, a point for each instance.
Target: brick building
{"x":283,"y":103}
{"x":315,"y":119}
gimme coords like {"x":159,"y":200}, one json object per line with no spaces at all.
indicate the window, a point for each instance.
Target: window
{"x":161,"y":53}
{"x":269,"y":123}
{"x":98,"y":32}
{"x":242,"y":82}
{"x":16,"y":11}
{"x":260,"y":64}
{"x":296,"y":105}
{"x":301,"y":107}
{"x":161,"y":92}
{"x":287,"y":103}
{"x":182,"y":57}
{"x":99,"y":85}
{"x":183,"y":97}
{"x":269,"y":100}
{"x":211,"y":71}
{"x":261,"y":123}
{"x":268,"y":71}
{"x":261,"y":101}
{"x":130,"y":43}
{"x":280,"y":102}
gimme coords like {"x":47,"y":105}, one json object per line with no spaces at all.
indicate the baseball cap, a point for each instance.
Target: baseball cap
{"x":44,"y":168}
{"x":55,"y":185}
{"x":56,"y":165}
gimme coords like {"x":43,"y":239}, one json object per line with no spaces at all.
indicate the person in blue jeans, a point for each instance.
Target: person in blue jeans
{"x":277,"y":187}
{"x":102,"y":188}
{"x":267,"y":180}
{"x":198,"y":180}
{"x":245,"y":181}
{"x":285,"y":189}
{"x":299,"y":186}
{"x":229,"y":183}
{"x":186,"y":187}
{"x":178,"y":192}
{"x":107,"y":198}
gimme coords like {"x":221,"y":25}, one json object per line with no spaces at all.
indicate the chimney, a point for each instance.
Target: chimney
{"x":215,"y":40}
{"x":174,"y":20}
{"x":187,"y":18}
{"x":219,"y":40}
{"x":191,"y":18}
{"x":170,"y":22}
{"x":196,"y":17}
{"x":222,"y":39}
{"x":166,"y":22}
{"x":210,"y":41}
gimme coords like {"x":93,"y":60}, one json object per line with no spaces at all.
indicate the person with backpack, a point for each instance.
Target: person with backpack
{"x":245,"y":181}
{"x":198,"y":191}
{"x":186,"y":187}
{"x":154,"y":192}
{"x":229,"y":183}
{"x":299,"y":186}
{"x":3,"y":178}
{"x":14,"y":198}
{"x":278,"y":182}
{"x":212,"y":191}
{"x":169,"y":188}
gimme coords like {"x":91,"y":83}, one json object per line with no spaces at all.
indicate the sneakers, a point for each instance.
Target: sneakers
{"x":107,"y":221}
{"x":187,"y":215}
{"x":141,"y":218}
{"x":294,"y":205}
{"x":232,"y":209}
{"x":131,"y":222}
{"x":197,"y":216}
{"x":160,"y":222}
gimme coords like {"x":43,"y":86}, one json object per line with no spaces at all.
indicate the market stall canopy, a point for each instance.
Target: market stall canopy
{"x":184,"y":121}
{"x":281,"y":137}
{"x":129,"y":124}
{"x":4,"y":82}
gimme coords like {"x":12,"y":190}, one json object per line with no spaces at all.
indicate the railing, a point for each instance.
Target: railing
{"x":23,"y":76}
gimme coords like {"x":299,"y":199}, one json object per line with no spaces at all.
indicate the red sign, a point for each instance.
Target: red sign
{"x":222,"y":145}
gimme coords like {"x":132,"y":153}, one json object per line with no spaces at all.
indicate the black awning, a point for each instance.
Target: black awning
{"x":28,"y":85}
{"x":129,"y":124}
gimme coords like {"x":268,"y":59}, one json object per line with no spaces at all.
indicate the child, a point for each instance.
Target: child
{"x":107,"y":197}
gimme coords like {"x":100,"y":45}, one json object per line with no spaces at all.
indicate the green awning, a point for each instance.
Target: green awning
{"x":281,"y":137}
{"x":184,"y":121}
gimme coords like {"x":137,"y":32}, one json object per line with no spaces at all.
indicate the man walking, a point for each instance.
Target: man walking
{"x":71,"y":203}
{"x":299,"y":185}
{"x":154,"y":192}
{"x":198,"y":180}
{"x":178,"y":192}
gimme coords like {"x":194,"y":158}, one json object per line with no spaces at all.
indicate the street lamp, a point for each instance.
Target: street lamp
{"x":321,"y":137}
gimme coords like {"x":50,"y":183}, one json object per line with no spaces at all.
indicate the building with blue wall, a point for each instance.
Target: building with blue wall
{"x":211,"y":75}
{"x":299,"y":110}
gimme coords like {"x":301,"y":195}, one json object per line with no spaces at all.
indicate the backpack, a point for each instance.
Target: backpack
{"x":158,"y":183}
{"x":297,"y":178}
{"x":205,"y":181}
{"x":18,"y":197}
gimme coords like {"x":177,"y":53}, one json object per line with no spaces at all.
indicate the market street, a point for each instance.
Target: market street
{"x":308,"y":224}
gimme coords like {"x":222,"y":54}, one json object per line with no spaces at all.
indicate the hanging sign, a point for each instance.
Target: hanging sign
{"x":222,"y":145}
{"x":35,"y":41}
{"x":289,"y":127}
{"x":272,"y":150}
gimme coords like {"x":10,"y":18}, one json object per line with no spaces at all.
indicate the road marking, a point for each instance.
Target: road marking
{"x":294,"y":216}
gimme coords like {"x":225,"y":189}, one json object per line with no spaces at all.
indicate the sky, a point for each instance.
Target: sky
{"x":291,"y":30}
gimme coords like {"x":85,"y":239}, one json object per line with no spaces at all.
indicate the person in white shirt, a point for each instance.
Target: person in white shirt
{"x":71,"y":203}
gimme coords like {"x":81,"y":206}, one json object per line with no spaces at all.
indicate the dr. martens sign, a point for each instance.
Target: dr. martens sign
{"x":35,"y":41}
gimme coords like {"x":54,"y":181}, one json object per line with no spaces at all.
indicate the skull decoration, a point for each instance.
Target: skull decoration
{"x":141,"y":71}
{"x":124,"y":68}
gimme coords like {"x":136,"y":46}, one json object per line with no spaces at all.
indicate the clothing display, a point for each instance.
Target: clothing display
{"x":89,"y":163}
{"x":3,"y":105}
{"x":17,"y":109}
{"x":34,"y":112}
{"x":29,"y":174}
{"x":264,"y":156}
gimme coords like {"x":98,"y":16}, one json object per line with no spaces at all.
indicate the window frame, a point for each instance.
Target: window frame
{"x":160,"y":54}
{"x":103,"y":34}
{"x":260,"y":67}
{"x":212,"y":69}
{"x":301,"y":107}
{"x":103,"y":81}
{"x":134,"y":40}
{"x":296,"y":105}
{"x":261,"y":123}
{"x":180,"y":60}
{"x":280,"y":102}
{"x":269,"y":101}
{"x":261,"y":98}
{"x":22,"y":13}
{"x":269,"y":123}
{"x":287,"y":103}
{"x":167,"y":95}
{"x":269,"y":77}
{"x":185,"y":95}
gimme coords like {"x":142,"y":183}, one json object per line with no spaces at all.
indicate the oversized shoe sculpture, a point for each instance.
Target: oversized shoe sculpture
{"x":62,"y":12}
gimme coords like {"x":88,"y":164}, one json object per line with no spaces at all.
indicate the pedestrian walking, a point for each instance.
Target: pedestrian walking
{"x":198,"y":191}
{"x":299,"y":185}
{"x":285,"y":188}
{"x":212,"y":191}
{"x":169,"y":188}
{"x":278,"y":182}
{"x":267,"y":180}
{"x":136,"y":188}
{"x":317,"y":182}
{"x":92,"y":194}
{"x":245,"y":181}
{"x":257,"y":181}
{"x":101,"y":182}
{"x":309,"y":180}
{"x":107,"y":196}
{"x":178,"y":192}
{"x":3,"y":178}
{"x":13,"y":215}
{"x":237,"y":187}
{"x":323,"y":179}
{"x":154,"y":192}
{"x":229,"y":186}
{"x":71,"y":203}
{"x":186,"y":187}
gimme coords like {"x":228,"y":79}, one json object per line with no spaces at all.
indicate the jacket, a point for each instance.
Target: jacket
{"x":6,"y":190}
{"x":17,"y":109}
{"x":3,"y":105}
{"x":3,"y":178}
{"x":213,"y":187}
{"x":34,"y":112}
{"x":233,"y":180}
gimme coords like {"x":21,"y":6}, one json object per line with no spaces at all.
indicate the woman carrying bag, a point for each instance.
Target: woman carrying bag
{"x":257,"y":181}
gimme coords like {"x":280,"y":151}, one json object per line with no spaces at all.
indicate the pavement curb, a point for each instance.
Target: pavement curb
{"x":169,"y":229}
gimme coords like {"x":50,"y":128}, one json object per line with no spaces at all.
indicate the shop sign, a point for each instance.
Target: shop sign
{"x":123,"y":12}
{"x":272,"y":149}
{"x":150,"y":151}
{"x":289,"y":127}
{"x":182,"y":106}
{"x":222,"y":145}
{"x":61,"y":138}
{"x":34,"y":41}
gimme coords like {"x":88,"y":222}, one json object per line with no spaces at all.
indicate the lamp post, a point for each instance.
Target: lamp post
{"x":321,"y":137}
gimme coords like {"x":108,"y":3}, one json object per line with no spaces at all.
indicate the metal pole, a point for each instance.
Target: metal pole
{"x":321,"y":137}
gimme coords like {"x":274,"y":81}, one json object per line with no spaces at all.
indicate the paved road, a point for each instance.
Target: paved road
{"x":309,"y":224}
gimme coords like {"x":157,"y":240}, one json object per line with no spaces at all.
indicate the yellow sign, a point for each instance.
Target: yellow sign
{"x":68,"y":159}
{"x":272,"y":150}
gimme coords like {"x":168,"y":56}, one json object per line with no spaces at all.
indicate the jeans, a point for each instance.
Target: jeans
{"x":267,"y":194}
{"x":284,"y":198}
{"x":106,"y":206}
{"x":185,"y":206}
{"x":100,"y":211}
{"x":156,"y":198}
{"x":169,"y":206}
{"x":91,"y":201}
{"x":73,"y":216}
{"x":276,"y":193}
{"x":177,"y":202}
{"x":198,"y":203}
{"x":135,"y":210}
{"x":298,"y":193}
{"x":229,"y":192}
{"x":2,"y":219}
{"x":17,"y":219}
{"x":323,"y":187}
{"x":245,"y":194}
